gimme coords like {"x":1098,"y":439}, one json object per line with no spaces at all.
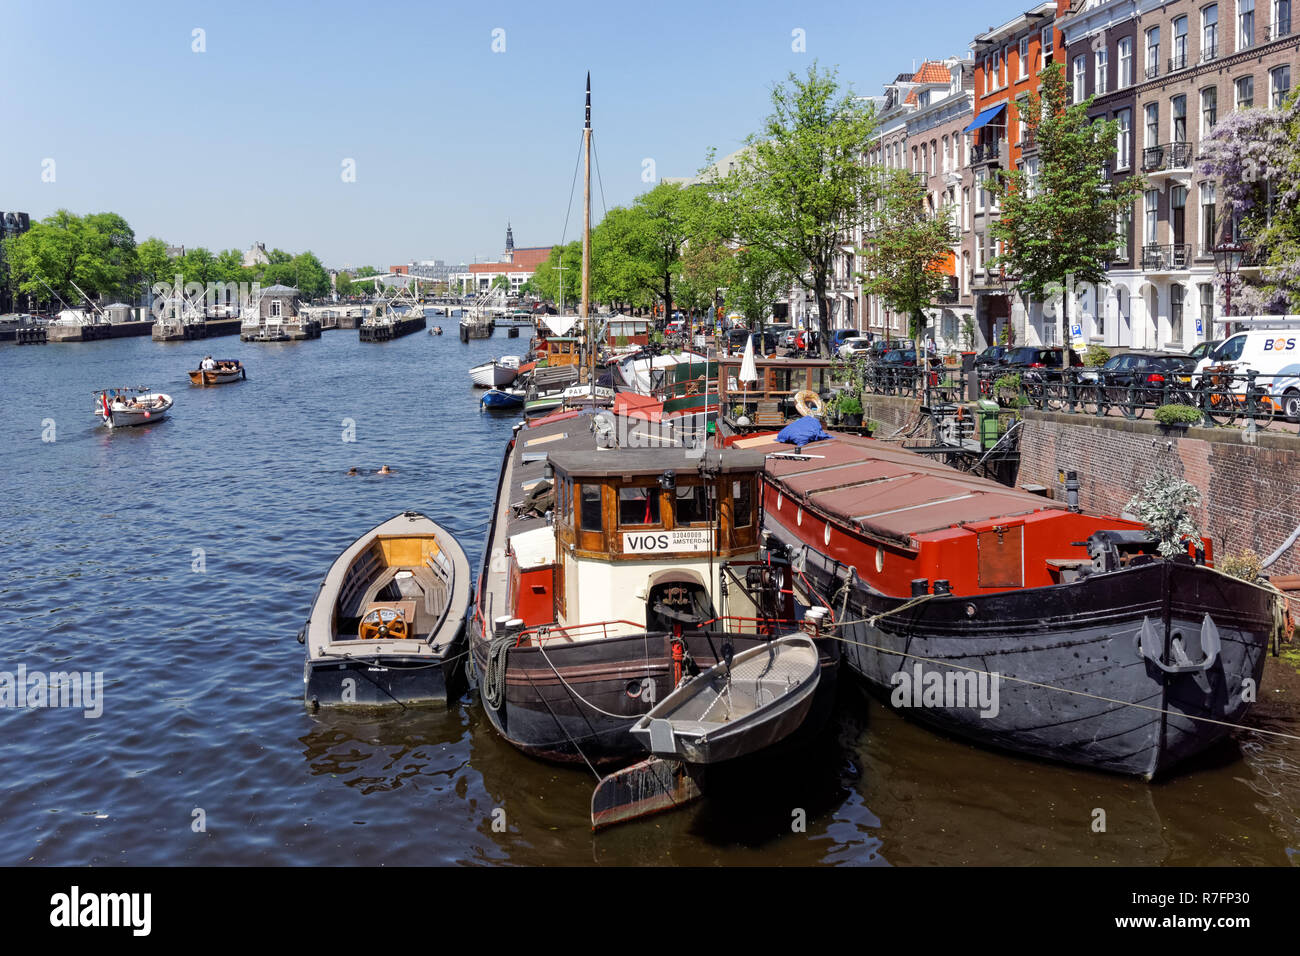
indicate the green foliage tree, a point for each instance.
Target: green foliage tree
{"x":1061,"y":224}
{"x":906,"y":246}
{"x":760,"y":278}
{"x":801,"y":184}
{"x":97,"y":253}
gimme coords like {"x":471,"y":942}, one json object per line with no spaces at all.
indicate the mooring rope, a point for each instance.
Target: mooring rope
{"x":494,"y":672}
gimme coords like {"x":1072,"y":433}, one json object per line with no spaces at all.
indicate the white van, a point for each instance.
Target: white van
{"x":1274,"y":354}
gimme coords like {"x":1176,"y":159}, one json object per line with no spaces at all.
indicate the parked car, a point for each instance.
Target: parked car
{"x":1202,"y":349}
{"x":898,"y":357}
{"x":765,"y":346}
{"x":1273,"y":354}
{"x":1035,"y":363}
{"x":1147,"y":372}
{"x":991,"y":356}
{"x":839,"y":336}
{"x":853,"y":347}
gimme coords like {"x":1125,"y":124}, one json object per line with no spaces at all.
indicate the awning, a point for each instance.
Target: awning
{"x":985,"y":117}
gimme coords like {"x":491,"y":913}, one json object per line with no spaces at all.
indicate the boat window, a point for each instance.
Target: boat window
{"x":693,"y":504}
{"x":638,"y":505}
{"x":742,"y":503}
{"x":591,"y":508}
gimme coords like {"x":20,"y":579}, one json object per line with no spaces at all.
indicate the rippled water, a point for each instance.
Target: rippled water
{"x":203,"y":677}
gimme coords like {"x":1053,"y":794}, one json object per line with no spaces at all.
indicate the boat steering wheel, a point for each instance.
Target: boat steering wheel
{"x":383,"y":622}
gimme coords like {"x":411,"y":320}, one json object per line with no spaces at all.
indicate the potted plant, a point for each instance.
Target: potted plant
{"x":850,"y":409}
{"x":1177,"y":418}
{"x":1006,"y":389}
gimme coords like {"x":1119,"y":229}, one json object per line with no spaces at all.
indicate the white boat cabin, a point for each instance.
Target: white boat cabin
{"x":637,"y":541}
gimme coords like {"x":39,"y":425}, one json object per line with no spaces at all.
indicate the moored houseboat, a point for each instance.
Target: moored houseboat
{"x":1086,"y":646}
{"x":612,"y":573}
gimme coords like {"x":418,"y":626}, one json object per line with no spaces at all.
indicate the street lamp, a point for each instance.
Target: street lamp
{"x":1227,"y":261}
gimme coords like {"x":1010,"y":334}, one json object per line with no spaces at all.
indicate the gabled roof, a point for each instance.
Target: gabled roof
{"x":932,"y":72}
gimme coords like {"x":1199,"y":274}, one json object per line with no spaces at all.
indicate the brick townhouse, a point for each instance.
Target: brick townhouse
{"x":921,"y":116}
{"x":1008,"y":60}
{"x":1167,"y":73}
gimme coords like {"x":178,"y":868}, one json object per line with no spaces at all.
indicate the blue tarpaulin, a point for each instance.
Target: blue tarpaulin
{"x":985,"y":117}
{"x":802,"y":432}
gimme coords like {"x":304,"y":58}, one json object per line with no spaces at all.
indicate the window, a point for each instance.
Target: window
{"x":590,"y":507}
{"x":979,"y":190}
{"x":1080,"y":74}
{"x":1152,"y":205}
{"x":1209,"y":32}
{"x":1209,"y":110}
{"x":1207,"y":308}
{"x":275,"y":308}
{"x":1245,"y":87}
{"x":1153,"y":52}
{"x":945,"y":154}
{"x":1178,"y":218}
{"x":1245,"y":24}
{"x":965,"y":209}
{"x":1153,"y":126}
{"x":1047,"y":37}
{"x":1124,"y":229}
{"x":1279,"y":80}
{"x":1281,"y":19}
{"x":638,"y":505}
{"x":925,"y":160}
{"x":979,"y":252}
{"x":1176,"y":293}
{"x":1002,"y":71}
{"x":693,"y":504}
{"x":1178,"y":119}
{"x":1123,"y":138}
{"x":1125,"y":77}
{"x":1209,"y":225}
{"x":1101,"y":61}
{"x":1024,"y":58}
{"x":742,"y":497}
{"x":1178,"y":54}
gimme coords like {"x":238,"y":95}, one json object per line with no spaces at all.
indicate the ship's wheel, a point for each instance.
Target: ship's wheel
{"x":381,"y":623}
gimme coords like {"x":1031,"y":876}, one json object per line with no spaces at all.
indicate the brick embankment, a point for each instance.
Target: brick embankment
{"x":1250,"y":490}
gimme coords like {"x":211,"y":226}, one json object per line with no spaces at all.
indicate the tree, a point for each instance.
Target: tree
{"x":548,"y":277}
{"x":1255,"y":154}
{"x":707,"y":267}
{"x":760,"y":277}
{"x":65,"y":252}
{"x":644,"y":242}
{"x":801,"y":184}
{"x":1061,"y":224}
{"x":906,"y":249}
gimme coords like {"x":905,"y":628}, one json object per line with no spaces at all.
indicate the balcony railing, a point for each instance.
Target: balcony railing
{"x":1177,"y":62}
{"x":1158,"y":258}
{"x":1028,"y":141}
{"x":1280,"y":29}
{"x":1152,"y":71}
{"x":949,"y":295}
{"x":1167,"y":156}
{"x":986,"y":152}
{"x":1209,"y":53}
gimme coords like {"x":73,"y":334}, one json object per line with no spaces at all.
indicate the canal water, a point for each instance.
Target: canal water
{"x":179,"y":560}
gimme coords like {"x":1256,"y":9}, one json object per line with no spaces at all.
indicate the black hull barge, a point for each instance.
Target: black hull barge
{"x":1012,"y":621}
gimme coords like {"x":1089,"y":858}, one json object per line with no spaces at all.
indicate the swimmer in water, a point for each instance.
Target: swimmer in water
{"x":351,"y":472}
{"x":384,"y":471}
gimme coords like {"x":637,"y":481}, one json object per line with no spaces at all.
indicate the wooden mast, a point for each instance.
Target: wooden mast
{"x":584,"y":309}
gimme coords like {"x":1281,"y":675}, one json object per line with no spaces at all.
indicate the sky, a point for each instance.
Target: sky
{"x":381,"y":133}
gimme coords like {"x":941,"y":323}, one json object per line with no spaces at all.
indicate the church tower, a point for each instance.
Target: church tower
{"x":510,"y":244}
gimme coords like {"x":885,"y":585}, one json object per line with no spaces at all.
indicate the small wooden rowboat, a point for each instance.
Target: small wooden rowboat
{"x":223,"y":374}
{"x":735,"y":709}
{"x":388,"y":623}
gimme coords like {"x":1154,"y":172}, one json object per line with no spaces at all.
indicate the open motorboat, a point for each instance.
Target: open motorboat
{"x":122,"y":407}
{"x":496,"y":374}
{"x":223,"y":372}
{"x":388,"y":623}
{"x":503,"y":398}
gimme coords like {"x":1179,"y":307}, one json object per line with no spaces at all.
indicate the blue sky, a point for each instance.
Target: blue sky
{"x":246,"y":141}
